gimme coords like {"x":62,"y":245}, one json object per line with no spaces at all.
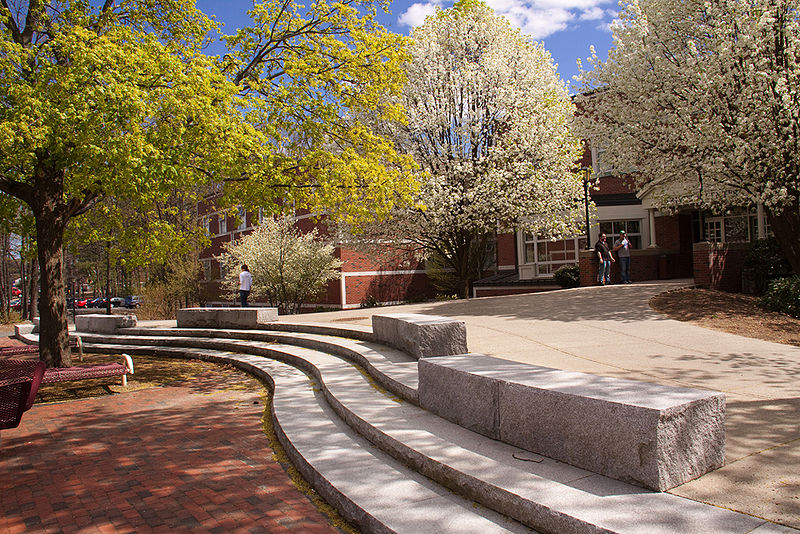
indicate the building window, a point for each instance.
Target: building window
{"x":548,"y":256}
{"x":223,"y":224}
{"x":206,"y":222}
{"x":241,"y":216}
{"x":632,"y":226}
{"x":206,"y":264}
{"x":734,"y":228}
{"x":714,"y":230}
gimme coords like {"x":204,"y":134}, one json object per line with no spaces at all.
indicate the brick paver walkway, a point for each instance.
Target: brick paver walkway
{"x":190,"y":457}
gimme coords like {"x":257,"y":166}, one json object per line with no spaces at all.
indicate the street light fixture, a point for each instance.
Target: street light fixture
{"x":586,"y":171}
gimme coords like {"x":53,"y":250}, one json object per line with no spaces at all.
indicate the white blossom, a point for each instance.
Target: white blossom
{"x":488,"y":123}
{"x":289,"y":267}
{"x":702,"y":99}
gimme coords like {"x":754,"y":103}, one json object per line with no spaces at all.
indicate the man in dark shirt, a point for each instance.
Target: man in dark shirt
{"x":605,"y":258}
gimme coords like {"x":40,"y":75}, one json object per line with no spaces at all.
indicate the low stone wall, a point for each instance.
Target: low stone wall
{"x":104,"y":324}
{"x":651,"y":435}
{"x":226,"y":317}
{"x":421,"y":336}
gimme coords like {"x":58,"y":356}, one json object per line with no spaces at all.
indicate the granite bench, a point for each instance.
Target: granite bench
{"x":650,"y":435}
{"x":419,"y":335}
{"x":104,"y":324}
{"x":226,"y":317}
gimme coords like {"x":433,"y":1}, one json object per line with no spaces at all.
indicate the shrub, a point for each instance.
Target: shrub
{"x":370,"y":302}
{"x":568,"y":276}
{"x":288,"y":267}
{"x":764,"y":262}
{"x":783,"y":295}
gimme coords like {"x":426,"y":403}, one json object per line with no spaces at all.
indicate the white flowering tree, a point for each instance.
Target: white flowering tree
{"x":488,"y":124}
{"x":288,"y":267}
{"x":702,"y":99}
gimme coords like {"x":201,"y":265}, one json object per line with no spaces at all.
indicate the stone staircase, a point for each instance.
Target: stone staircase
{"x":346,"y":410}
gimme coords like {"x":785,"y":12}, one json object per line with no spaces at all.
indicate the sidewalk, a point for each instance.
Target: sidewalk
{"x":612,"y":331}
{"x":190,"y":457}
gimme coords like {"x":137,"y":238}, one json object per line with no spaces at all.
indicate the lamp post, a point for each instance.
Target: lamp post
{"x":586,"y":171}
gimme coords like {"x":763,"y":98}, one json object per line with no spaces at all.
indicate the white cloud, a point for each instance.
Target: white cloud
{"x":537,"y":18}
{"x":415,"y":15}
{"x":593,"y":13}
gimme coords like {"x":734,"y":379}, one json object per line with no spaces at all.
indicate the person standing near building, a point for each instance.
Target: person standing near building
{"x":245,"y":283}
{"x":622,"y":247}
{"x":605,"y":258}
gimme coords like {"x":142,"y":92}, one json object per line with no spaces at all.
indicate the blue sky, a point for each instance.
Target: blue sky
{"x":567,"y":27}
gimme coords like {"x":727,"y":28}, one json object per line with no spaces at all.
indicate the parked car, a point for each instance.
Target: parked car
{"x":122,"y":302}
{"x":82,"y":303}
{"x":15,"y":292}
{"x":136,"y":300}
{"x":16,"y":305}
{"x":99,"y":302}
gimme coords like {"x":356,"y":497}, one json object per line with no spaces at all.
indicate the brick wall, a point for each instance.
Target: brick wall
{"x":719,"y":265}
{"x":615,"y":185}
{"x":506,"y":250}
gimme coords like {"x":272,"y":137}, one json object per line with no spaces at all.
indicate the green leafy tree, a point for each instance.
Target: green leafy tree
{"x":288,"y":267}
{"x":117,"y":105}
{"x":314,"y":72}
{"x":113,"y":102}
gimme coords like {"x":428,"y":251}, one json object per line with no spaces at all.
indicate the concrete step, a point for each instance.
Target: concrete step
{"x":539,"y":492}
{"x":368,"y":487}
{"x":390,"y":368}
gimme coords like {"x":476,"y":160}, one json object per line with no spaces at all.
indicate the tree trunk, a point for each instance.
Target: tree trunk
{"x":53,"y":333}
{"x":786,"y":227}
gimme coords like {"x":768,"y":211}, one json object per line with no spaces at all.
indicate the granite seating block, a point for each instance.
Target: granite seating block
{"x":421,"y":336}
{"x":104,"y":324}
{"x":226,"y":317}
{"x":647,"y":434}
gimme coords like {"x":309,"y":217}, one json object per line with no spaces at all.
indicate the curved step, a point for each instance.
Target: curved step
{"x":390,"y":368}
{"x":368,"y":487}
{"x":541,"y":493}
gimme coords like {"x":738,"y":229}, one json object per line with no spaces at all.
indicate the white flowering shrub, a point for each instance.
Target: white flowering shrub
{"x":288,"y":267}
{"x":488,"y":123}
{"x":701,"y":98}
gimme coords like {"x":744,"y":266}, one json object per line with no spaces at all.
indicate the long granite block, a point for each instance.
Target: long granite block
{"x":651,"y":435}
{"x":225,"y":317}
{"x":103,"y":323}
{"x":421,"y":336}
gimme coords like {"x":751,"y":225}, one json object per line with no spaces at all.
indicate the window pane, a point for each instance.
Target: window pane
{"x":736,"y":229}
{"x":606,"y":228}
{"x":530,"y":255}
{"x":633,"y":227}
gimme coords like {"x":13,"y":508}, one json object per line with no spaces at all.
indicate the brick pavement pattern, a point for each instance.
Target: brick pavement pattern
{"x":189,"y":457}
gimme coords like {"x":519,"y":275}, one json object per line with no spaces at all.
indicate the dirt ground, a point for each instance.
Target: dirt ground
{"x":728,"y":312}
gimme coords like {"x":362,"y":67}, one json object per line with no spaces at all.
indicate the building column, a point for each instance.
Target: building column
{"x":762,"y":221}
{"x":651,"y":221}
{"x":343,"y":291}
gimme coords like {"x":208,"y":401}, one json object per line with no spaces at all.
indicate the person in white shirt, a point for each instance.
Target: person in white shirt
{"x":245,"y":283}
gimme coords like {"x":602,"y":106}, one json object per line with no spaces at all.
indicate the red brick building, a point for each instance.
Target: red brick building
{"x":393,"y":276}
{"x":688,"y":244}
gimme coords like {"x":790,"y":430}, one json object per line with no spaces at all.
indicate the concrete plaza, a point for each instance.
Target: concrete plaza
{"x":612,"y":331}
